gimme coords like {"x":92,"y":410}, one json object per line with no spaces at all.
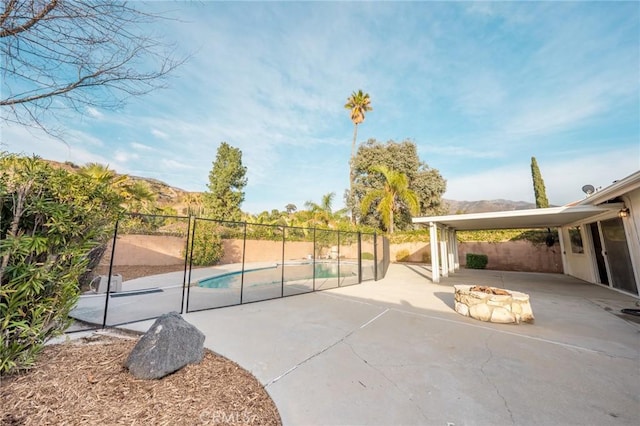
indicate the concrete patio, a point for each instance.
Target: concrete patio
{"x":395,"y":352}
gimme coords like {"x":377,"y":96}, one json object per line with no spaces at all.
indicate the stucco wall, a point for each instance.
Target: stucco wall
{"x":418,"y":252}
{"x":520,"y":256}
{"x":507,"y":255}
{"x":271,"y":251}
{"x":154,"y":250}
{"x":151,"y":250}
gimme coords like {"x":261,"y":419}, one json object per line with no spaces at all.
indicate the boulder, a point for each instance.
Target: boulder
{"x":170,"y":344}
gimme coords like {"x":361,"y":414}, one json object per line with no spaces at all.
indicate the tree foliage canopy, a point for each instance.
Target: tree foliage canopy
{"x":51,"y":221}
{"x":226,"y":183}
{"x":394,"y":196}
{"x":538,"y":185}
{"x":73,"y":54}
{"x":402,"y":157}
{"x":358,"y":104}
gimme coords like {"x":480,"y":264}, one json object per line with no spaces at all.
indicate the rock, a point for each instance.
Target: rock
{"x":170,"y":344}
{"x":480,"y":312}
{"x":527,"y":313}
{"x":502,"y":316}
{"x":462,"y":309}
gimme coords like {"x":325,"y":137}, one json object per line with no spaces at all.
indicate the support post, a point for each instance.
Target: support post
{"x":444,"y":252}
{"x":435,"y":262}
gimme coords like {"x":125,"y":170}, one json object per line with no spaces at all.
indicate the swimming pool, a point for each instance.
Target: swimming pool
{"x":274,"y":275}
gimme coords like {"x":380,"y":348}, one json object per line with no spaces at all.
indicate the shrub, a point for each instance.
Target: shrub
{"x":477,"y":261}
{"x":402,"y":255}
{"x":51,"y":219}
{"x":426,"y":257}
{"x":207,"y":244}
{"x":367,"y":256}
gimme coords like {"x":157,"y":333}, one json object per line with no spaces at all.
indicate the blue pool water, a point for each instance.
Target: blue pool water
{"x":273,"y":275}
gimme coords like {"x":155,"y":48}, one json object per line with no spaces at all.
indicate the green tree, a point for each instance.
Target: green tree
{"x":226,"y":183}
{"x":322,"y":214}
{"x":290,"y":208}
{"x":51,"y":220}
{"x":137,"y":195}
{"x":395,"y":196}
{"x":358,"y":104}
{"x":104,"y":175}
{"x":139,"y":198}
{"x":538,"y":185}
{"x":426,"y":182}
{"x":194,"y":203}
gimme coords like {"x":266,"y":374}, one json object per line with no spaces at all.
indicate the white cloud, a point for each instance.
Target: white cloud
{"x":77,"y":149}
{"x":159,"y":134}
{"x":93,"y":112}
{"x":451,"y":149}
{"x":173,"y":164}
{"x":125,"y":156}
{"x":563,"y":177}
{"x":140,"y":147}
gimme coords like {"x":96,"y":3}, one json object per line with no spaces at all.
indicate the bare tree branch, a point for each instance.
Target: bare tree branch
{"x":78,"y":53}
{"x":37,"y":17}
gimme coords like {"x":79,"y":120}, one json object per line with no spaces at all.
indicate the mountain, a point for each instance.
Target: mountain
{"x":166,"y":195}
{"x":482,"y":206}
{"x":171,"y":196}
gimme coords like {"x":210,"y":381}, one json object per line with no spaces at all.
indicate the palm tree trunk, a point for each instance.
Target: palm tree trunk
{"x":351,"y":174}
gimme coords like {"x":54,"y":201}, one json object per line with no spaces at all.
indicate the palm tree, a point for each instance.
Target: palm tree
{"x":396,"y":192}
{"x":135,"y":194}
{"x":323,"y":213}
{"x":195,"y":203}
{"x":102,"y":173}
{"x":139,"y":197}
{"x":358,"y":104}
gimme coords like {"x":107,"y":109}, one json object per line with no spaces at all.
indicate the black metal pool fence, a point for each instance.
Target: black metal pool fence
{"x":157,"y":264}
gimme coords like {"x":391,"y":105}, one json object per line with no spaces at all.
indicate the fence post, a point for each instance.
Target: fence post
{"x":339,"y":277}
{"x":106,"y":299}
{"x":282,"y":275}
{"x":186,"y":263}
{"x":244,"y":248}
{"x":359,"y":257}
{"x":314,"y":259}
{"x":375,"y":256}
{"x":193,"y":237}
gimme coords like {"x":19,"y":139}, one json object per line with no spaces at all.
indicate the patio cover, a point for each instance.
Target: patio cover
{"x":446,"y":257}
{"x":552,"y":217}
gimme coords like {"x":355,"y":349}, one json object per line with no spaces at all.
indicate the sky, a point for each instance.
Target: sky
{"x":479,"y":87}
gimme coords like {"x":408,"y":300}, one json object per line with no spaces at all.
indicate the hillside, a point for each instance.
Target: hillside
{"x":166,"y":195}
{"x":482,"y":206}
{"x":170,"y":196}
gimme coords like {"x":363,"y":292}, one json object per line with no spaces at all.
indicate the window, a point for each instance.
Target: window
{"x":576,"y":240}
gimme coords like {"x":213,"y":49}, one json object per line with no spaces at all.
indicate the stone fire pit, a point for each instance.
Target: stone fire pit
{"x":492,"y":304}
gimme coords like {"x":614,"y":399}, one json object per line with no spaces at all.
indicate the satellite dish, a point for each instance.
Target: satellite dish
{"x":588,"y":189}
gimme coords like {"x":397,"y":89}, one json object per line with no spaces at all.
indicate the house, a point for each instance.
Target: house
{"x":599,"y":236}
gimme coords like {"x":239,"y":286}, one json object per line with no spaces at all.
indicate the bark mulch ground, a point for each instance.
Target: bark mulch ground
{"x":84,"y":381}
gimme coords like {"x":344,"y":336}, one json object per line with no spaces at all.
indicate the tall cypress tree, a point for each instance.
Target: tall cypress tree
{"x":538,"y":185}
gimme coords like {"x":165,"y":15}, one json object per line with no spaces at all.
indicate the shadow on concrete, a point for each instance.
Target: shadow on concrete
{"x":421,"y":270}
{"x":447,"y":298}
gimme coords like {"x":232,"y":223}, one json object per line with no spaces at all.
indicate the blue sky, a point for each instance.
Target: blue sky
{"x":480,"y":87}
